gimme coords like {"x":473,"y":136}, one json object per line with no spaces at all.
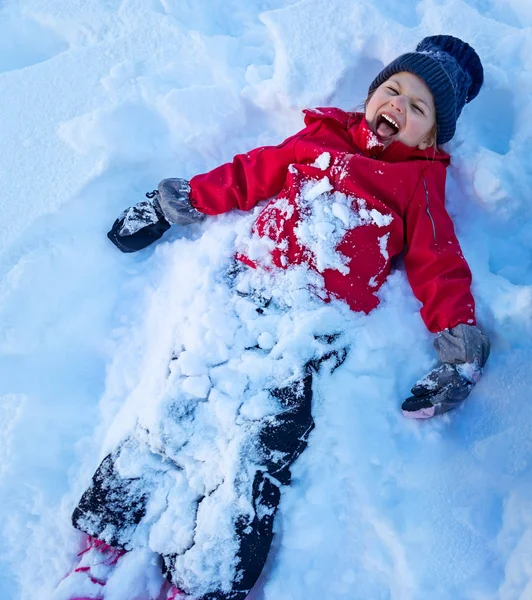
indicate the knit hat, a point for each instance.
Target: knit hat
{"x":452,"y":71}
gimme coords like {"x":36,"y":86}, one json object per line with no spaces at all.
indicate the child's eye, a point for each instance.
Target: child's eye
{"x":392,"y":90}
{"x":418,"y":109}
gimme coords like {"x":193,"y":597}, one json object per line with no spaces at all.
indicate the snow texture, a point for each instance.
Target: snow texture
{"x":327,"y":218}
{"x":101,"y":100}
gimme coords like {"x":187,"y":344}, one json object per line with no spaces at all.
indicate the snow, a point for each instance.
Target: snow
{"x":328,"y":217}
{"x":101,"y":100}
{"x":323,"y":161}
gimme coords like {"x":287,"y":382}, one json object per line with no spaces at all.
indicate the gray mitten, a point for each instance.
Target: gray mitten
{"x":463,"y":351}
{"x":174,"y":201}
{"x":145,"y":222}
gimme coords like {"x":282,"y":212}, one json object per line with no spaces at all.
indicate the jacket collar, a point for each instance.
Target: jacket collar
{"x":369,"y":145}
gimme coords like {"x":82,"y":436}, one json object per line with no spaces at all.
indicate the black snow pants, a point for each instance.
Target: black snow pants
{"x":115,"y":506}
{"x":112,"y":504}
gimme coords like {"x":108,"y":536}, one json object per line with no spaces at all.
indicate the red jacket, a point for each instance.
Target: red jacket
{"x":396,"y":198}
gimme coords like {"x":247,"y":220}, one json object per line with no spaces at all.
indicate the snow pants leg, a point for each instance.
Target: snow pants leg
{"x":113,"y":505}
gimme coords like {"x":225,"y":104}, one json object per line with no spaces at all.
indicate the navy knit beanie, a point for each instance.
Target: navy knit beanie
{"x":452,"y":71}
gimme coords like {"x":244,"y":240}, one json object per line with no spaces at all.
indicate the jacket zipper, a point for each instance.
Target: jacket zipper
{"x":428,"y":209}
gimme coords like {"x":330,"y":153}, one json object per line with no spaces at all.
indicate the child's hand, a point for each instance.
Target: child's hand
{"x":139,"y":226}
{"x":463,"y":351}
{"x":441,"y":390}
{"x":142,"y":224}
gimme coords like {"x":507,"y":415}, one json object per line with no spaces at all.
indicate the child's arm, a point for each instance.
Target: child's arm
{"x":248,"y":179}
{"x":441,"y":280}
{"x":437,"y":271}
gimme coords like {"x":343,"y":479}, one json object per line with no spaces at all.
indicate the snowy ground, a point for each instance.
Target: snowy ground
{"x":101,"y":99}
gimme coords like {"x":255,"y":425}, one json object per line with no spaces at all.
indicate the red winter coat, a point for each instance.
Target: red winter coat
{"x":403,"y":184}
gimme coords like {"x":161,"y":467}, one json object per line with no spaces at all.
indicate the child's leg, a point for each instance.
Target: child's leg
{"x":231,"y":525}
{"x":280,"y":440}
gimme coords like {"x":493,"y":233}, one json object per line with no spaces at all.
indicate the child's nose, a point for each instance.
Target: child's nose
{"x":399,"y":102}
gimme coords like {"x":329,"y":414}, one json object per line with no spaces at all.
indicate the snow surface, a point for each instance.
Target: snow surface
{"x":102,"y":99}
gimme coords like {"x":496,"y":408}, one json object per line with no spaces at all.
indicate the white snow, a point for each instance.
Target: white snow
{"x":323,"y":161}
{"x":317,"y":189}
{"x":328,"y":217}
{"x":383,"y":245}
{"x":103,"y":98}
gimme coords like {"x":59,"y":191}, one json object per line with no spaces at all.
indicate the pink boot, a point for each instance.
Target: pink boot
{"x":170,"y":592}
{"x":93,"y":570}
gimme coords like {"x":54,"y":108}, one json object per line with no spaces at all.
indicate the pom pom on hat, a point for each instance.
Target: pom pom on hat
{"x":452,"y":71}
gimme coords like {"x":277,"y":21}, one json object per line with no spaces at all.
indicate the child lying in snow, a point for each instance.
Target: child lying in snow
{"x":384,"y":177}
{"x":389,"y":161}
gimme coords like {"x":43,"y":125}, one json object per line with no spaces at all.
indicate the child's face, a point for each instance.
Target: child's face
{"x":402,"y":108}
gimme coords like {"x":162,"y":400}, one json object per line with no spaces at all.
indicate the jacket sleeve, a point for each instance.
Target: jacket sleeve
{"x":248,"y":179}
{"x":438,"y":273}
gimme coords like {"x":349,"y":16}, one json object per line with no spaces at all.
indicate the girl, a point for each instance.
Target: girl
{"x":350,"y":192}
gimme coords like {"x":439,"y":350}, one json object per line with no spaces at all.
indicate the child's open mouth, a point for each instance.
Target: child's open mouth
{"x":386,"y":126}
